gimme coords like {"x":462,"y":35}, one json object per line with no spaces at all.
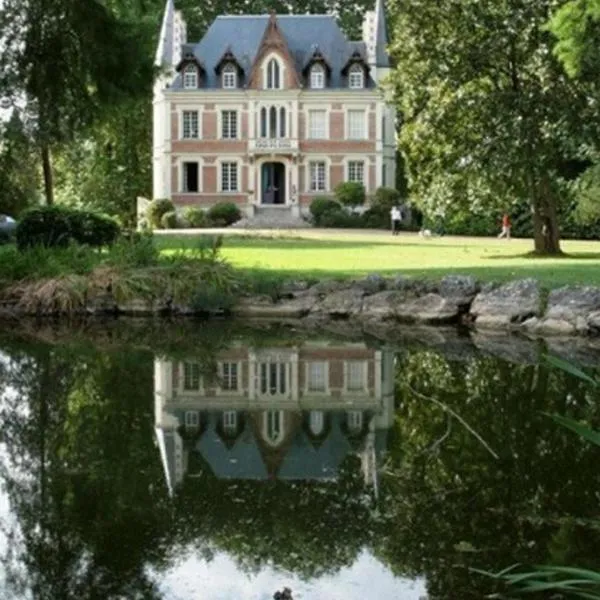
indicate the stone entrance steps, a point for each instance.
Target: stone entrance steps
{"x":272,"y":217}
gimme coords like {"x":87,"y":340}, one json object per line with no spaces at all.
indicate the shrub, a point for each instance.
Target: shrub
{"x":169,"y":220}
{"x":387,"y":198}
{"x":350,"y":193}
{"x":92,"y":229}
{"x":224,"y":213}
{"x":136,"y":251}
{"x":44,"y":226}
{"x":341,"y":218}
{"x":157,"y":209}
{"x":196,"y":217}
{"x":322,"y":205}
{"x":377,"y":217}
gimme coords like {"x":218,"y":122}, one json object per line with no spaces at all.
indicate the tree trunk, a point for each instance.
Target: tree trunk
{"x":48,"y":177}
{"x":546,"y":234}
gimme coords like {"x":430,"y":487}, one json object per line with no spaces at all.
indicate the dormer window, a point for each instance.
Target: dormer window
{"x":229,"y":77}
{"x":356,"y":77}
{"x":273,"y":75}
{"x":317,"y":77}
{"x":190,"y":77}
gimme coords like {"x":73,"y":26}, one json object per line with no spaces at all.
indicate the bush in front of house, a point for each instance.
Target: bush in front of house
{"x":57,"y":226}
{"x":156,"y":209}
{"x":386,"y":198}
{"x":322,"y":205}
{"x":224,"y":214}
{"x":170,"y":220}
{"x":195,"y":217}
{"x":350,"y":194}
{"x":341,"y":219}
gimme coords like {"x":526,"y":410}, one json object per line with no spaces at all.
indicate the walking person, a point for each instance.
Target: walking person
{"x":506,"y":225}
{"x":396,"y":216}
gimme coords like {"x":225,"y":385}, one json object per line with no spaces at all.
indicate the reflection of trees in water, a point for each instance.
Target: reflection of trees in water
{"x":452,"y":506}
{"x":86,"y":486}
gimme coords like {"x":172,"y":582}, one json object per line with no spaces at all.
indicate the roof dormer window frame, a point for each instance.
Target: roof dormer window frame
{"x":317,"y":77}
{"x":356,"y":77}
{"x":190,"y":77}
{"x":229,"y":76}
{"x":273,"y":72}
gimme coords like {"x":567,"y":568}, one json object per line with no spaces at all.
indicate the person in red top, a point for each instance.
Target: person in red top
{"x":506,"y":224}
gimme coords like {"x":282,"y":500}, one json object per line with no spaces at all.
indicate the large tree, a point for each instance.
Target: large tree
{"x":490,"y":116}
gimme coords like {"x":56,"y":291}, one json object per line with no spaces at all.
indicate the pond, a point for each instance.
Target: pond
{"x":183,"y":460}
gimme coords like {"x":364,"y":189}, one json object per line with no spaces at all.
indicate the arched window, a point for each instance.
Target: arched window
{"x":317,"y":422}
{"x":356,"y":77}
{"x":263,"y":122}
{"x":273,"y":426}
{"x":273,"y":75}
{"x":190,"y":77}
{"x":317,"y":77}
{"x":282,"y":122}
{"x":273,"y":122}
{"x":229,"y":77}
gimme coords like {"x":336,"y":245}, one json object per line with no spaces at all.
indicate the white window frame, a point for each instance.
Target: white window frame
{"x":284,"y":383}
{"x":356,"y":77}
{"x":314,"y":133}
{"x":364,"y":365}
{"x":317,"y":77}
{"x":230,"y":421}
{"x":351,"y":165}
{"x":182,"y":108}
{"x":221,"y":123}
{"x":350,"y":135}
{"x":192,"y":419}
{"x":238,"y":171}
{"x":191,"y":113}
{"x":185,"y":158}
{"x":182,"y":389}
{"x":229,"y":77}
{"x":273,"y":419}
{"x":316,"y":422}
{"x":355,"y":420}
{"x":190,"y":77}
{"x":312,"y":161}
{"x":222,"y":376}
{"x":307,"y":379}
{"x":265,"y":69}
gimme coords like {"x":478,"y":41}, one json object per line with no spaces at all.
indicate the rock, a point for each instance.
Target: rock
{"x":593,"y":322}
{"x":382,"y":305}
{"x":328,"y":286}
{"x":401,"y":283}
{"x":343,"y":303}
{"x":136,"y":306}
{"x":461,"y":289}
{"x":548,"y":327}
{"x":292,"y":288}
{"x":295,"y":308}
{"x":371,"y":284}
{"x":506,"y":305}
{"x":579,"y":351}
{"x":431,"y":309}
{"x":254,"y":306}
{"x":574,"y":305}
{"x":509,"y":347}
{"x":103,"y":303}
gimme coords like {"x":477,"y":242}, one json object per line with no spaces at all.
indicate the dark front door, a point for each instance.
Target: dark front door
{"x":273,"y":183}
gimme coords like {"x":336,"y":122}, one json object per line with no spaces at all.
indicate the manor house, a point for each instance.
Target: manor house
{"x":270,"y":111}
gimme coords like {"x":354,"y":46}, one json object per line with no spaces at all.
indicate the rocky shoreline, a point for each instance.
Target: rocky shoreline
{"x":521,"y":305}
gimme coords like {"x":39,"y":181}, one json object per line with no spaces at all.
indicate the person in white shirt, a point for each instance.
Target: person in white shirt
{"x":396,"y":216}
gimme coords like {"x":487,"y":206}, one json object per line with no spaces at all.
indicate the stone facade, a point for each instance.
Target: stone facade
{"x":265,"y":119}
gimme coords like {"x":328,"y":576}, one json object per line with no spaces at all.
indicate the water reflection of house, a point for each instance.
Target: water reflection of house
{"x":290,"y":413}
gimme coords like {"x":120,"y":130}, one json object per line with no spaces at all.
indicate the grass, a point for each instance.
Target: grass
{"x":345,"y":254}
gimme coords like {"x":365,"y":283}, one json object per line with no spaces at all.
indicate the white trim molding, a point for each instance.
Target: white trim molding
{"x":364,"y":159}
{"x":179,"y":109}
{"x":282,"y":70}
{"x":238,"y":109}
{"x":189,"y":158}
{"x":219,"y":164}
{"x":313,"y":158}
{"x":356,"y":108}
{"x":306,"y":109}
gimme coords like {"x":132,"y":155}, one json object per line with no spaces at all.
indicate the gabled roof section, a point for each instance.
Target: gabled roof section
{"x":188,"y":56}
{"x":228,"y":57}
{"x":317,"y":57}
{"x":242,"y":35}
{"x":273,"y":40}
{"x":357,"y":57}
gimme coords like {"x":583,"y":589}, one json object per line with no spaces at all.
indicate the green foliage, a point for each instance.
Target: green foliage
{"x":56,"y":226}
{"x":170,"y":220}
{"x":322,"y":205}
{"x":224,"y":214}
{"x":386,"y":198}
{"x":350,"y":193}
{"x":157,"y":209}
{"x":196,"y":217}
{"x":340,"y":218}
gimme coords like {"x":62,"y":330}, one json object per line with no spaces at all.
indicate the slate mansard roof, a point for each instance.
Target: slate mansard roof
{"x":242,"y":36}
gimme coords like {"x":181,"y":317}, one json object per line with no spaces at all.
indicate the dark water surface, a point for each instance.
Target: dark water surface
{"x":219,"y":462}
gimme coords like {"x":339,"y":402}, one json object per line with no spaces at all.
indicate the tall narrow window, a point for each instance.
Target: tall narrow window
{"x":318,"y":179}
{"x":191,"y":181}
{"x":273,"y":75}
{"x":263,"y":122}
{"x":384,"y":175}
{"x":190,"y":77}
{"x":229,"y":377}
{"x":316,"y":376}
{"x":317,"y":127}
{"x":274,"y":426}
{"x":356,"y":171}
{"x":317,"y":422}
{"x":190,"y":125}
{"x":356,"y":77}
{"x":192,"y":419}
{"x":273,"y":122}
{"x":229,"y":128}
{"x":282,"y":123}
{"x":229,"y":177}
{"x":229,"y":77}
{"x":191,"y":377}
{"x":356,"y":376}
{"x":356,"y":125}
{"x":273,"y":379}
{"x":317,"y":77}
{"x":230,"y":421}
{"x":355,"y":421}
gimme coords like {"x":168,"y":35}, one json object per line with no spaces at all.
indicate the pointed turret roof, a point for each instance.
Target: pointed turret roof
{"x":166,"y":40}
{"x":381,"y":38}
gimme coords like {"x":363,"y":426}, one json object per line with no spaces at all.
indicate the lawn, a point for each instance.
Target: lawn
{"x":337,"y":253}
